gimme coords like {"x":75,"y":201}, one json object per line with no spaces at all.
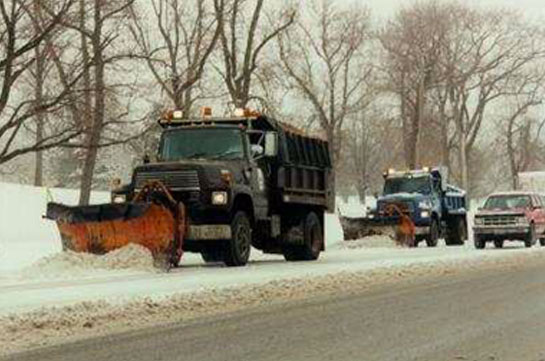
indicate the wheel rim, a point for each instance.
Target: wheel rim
{"x":243,"y":238}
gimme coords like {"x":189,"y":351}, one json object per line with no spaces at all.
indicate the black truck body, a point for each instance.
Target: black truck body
{"x":245,"y":181}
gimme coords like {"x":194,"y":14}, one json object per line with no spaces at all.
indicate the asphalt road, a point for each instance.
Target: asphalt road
{"x":482,"y":316}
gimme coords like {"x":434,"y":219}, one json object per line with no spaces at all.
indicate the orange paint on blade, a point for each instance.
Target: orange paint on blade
{"x":154,"y":230}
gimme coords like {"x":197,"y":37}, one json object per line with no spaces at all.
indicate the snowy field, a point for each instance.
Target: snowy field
{"x":24,"y":236}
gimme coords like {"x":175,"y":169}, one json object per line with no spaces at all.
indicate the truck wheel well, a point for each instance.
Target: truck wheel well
{"x":243,"y":202}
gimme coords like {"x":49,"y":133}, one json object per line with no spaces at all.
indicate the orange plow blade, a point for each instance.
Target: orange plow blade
{"x":103,"y":228}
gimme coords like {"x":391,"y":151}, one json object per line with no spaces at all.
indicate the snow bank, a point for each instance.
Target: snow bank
{"x":87,"y":319}
{"x":371,"y":242}
{"x":68,"y":265}
{"x":333,"y":230}
{"x":24,"y":235}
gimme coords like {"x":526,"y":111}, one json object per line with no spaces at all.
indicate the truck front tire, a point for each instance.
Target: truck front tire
{"x":433,"y":236}
{"x":313,"y":241}
{"x":236,"y":251}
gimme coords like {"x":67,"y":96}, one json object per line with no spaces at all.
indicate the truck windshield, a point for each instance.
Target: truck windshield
{"x":507,"y":202}
{"x":407,"y":185}
{"x":202,"y":143}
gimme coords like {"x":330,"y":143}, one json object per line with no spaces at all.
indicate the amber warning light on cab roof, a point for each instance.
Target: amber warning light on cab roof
{"x":178,"y":116}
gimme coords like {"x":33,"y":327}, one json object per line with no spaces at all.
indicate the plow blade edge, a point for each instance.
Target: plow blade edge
{"x":103,"y":228}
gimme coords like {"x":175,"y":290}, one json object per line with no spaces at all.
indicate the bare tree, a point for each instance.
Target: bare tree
{"x":497,"y":48}
{"x":20,"y":42}
{"x":98,"y":33}
{"x":243,"y":43}
{"x":178,"y":46}
{"x":324,"y":61}
{"x":523,"y":131}
{"x":412,"y":44}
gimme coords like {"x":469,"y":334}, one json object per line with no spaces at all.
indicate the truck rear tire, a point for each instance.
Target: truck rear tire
{"x":456,"y":232}
{"x":313,"y":241}
{"x":542,"y":242}
{"x":236,"y":251}
{"x":433,"y":236}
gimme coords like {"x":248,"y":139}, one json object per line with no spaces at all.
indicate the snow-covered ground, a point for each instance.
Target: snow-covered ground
{"x":24,"y":236}
{"x":45,"y":285}
{"x":34,"y":274}
{"x":47,"y":294}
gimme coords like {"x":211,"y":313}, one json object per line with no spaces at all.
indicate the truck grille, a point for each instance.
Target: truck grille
{"x":187,"y":180}
{"x":500,"y":220}
{"x":406,"y":207}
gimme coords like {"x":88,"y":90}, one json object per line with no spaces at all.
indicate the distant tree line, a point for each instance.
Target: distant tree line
{"x":439,"y":83}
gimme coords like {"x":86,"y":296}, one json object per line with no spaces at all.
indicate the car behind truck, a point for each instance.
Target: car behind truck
{"x":510,"y":216}
{"x":221,"y":185}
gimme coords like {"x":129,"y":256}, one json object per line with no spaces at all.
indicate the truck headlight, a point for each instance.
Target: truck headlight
{"x":479,"y":221}
{"x":522,"y":220}
{"x":119,"y":198}
{"x":425,"y":214}
{"x":219,"y":198}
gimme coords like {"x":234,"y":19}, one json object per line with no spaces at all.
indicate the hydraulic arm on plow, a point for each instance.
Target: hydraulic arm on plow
{"x":405,"y":230}
{"x":153,"y":219}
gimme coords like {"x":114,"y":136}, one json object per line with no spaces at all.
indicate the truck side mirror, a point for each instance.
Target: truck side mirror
{"x":257,"y":150}
{"x":271,"y":144}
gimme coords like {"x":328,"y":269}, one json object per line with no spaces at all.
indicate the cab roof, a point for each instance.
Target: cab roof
{"x":513,"y":193}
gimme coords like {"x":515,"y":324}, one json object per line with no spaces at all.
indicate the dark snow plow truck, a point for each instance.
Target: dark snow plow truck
{"x":218,"y":187}
{"x":416,"y":206}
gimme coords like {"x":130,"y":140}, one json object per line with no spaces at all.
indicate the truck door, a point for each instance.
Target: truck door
{"x":436,"y":197}
{"x":258,"y":170}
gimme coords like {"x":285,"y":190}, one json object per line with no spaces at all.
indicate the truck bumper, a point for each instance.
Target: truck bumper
{"x":506,"y":231}
{"x":209,"y":232}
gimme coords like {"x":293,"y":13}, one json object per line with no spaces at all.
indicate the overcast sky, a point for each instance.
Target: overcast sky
{"x":385,"y":8}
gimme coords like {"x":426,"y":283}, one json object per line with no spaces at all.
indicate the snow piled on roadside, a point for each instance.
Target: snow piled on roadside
{"x":49,"y":326}
{"x":370,"y":242}
{"x":71,"y":264}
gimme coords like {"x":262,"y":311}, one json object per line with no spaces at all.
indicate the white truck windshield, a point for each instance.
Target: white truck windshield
{"x":420,"y":185}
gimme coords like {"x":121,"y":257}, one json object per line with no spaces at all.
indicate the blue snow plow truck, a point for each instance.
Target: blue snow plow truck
{"x":420,"y":200}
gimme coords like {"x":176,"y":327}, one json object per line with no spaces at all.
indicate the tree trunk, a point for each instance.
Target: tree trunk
{"x":333,"y":154}
{"x":463,"y":160}
{"x":39,"y":98}
{"x":98,"y":111}
{"x":39,"y":117}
